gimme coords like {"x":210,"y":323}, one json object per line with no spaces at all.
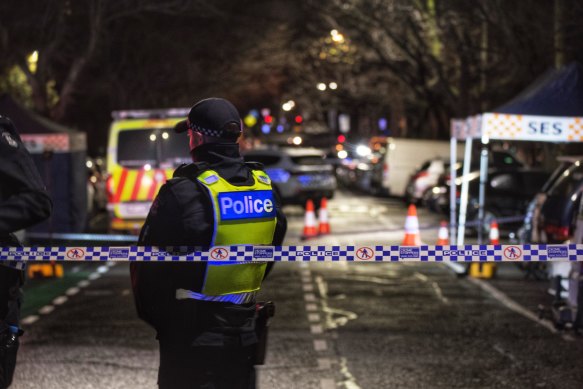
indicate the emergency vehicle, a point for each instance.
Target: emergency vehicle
{"x":142,"y":153}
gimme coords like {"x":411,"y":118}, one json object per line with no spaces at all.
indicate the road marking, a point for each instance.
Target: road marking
{"x":313,"y":317}
{"x":327,"y":383}
{"x":324,"y":363}
{"x":514,"y":306}
{"x":83,"y":284}
{"x":439,"y":293}
{"x":334,"y":317}
{"x":46,"y":309}
{"x":72,"y":291}
{"x":349,"y":381}
{"x":320,"y":345}
{"x":316,"y":329}
{"x":505,"y":353}
{"x":310,"y":297}
{"x":311,"y":307}
{"x":308,"y":287}
{"x":375,"y":280}
{"x":29,"y":319}
{"x":60,"y":300}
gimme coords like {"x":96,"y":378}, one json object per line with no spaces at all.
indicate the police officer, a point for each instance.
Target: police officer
{"x":23,"y":203}
{"x":205,"y":314}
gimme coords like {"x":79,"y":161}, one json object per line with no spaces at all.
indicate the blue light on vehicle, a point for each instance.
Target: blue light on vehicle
{"x":304,"y":180}
{"x":266,"y":129}
{"x":383,"y":124}
{"x":277,"y":175}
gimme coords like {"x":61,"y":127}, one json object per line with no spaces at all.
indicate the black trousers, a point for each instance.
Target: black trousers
{"x":10,"y":300}
{"x":229,"y":366}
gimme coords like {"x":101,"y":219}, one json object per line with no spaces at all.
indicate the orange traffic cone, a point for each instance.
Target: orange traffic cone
{"x":443,"y":235}
{"x":309,"y":221}
{"x":412,"y":237}
{"x":494,"y":233}
{"x":324,"y":225}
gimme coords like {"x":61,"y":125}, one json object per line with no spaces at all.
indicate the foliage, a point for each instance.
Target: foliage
{"x":419,"y":62}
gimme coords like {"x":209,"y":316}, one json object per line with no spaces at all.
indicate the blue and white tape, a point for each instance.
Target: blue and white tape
{"x":246,"y":253}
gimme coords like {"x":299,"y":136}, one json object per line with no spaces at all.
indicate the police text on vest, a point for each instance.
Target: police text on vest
{"x":246,"y":205}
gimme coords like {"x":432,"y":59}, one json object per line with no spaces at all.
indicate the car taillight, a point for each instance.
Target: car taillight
{"x":557,"y":233}
{"x":109,"y":189}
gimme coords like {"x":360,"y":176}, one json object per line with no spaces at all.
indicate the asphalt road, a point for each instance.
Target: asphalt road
{"x":337,"y":325}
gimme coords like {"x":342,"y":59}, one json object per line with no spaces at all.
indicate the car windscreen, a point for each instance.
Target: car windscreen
{"x":155,"y":147}
{"x":174,"y":149}
{"x":266,"y":160}
{"x":568,"y":182}
{"x":555,"y":176}
{"x":309,"y":160}
{"x":532,"y":182}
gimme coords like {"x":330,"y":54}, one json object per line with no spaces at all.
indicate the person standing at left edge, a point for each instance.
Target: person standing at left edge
{"x":23,"y":203}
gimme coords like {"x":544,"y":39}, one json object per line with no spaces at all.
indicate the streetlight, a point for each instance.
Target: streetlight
{"x":33,"y":61}
{"x":336,"y":36}
{"x":288,"y":106}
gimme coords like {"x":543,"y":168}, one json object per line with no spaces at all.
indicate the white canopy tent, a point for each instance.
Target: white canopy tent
{"x":550,"y":110}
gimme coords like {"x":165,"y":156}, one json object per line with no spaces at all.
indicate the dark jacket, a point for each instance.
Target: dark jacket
{"x":23,"y":198}
{"x":182,"y":215}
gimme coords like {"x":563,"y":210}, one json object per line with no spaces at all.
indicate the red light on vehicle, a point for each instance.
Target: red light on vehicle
{"x":268,"y":119}
{"x":109,"y":189}
{"x":557,"y":233}
{"x":420,"y":175}
{"x":298,"y":119}
{"x":341,"y":139}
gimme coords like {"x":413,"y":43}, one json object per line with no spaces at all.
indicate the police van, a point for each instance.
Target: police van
{"x":142,"y":153}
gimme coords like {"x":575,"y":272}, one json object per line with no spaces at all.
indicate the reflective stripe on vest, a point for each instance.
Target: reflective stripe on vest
{"x":243,"y":215}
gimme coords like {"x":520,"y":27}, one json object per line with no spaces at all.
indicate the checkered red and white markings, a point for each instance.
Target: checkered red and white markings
{"x":244,"y":253}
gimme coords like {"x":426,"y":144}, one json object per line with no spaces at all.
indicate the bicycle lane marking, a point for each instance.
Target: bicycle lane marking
{"x":60,"y":300}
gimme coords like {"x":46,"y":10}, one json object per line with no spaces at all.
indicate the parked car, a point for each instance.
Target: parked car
{"x":398,"y":157}
{"x":527,"y":233}
{"x":298,"y":174}
{"x":508,"y":192}
{"x":424,"y":178}
{"x":555,"y":222}
{"x":433,"y":197}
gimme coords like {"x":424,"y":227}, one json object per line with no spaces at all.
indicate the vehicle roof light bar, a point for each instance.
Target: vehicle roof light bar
{"x":150,"y":113}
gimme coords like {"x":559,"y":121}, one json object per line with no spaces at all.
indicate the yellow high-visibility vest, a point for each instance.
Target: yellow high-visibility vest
{"x":243,"y":215}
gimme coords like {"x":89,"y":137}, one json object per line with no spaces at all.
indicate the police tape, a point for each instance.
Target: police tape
{"x":249,"y":253}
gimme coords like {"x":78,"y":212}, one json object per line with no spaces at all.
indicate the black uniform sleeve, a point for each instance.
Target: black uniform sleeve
{"x":23,"y":198}
{"x":281,"y":226}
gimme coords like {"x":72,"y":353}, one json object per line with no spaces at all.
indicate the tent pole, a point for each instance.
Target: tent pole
{"x":483,"y":180}
{"x":464,"y":195}
{"x":452,"y":189}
